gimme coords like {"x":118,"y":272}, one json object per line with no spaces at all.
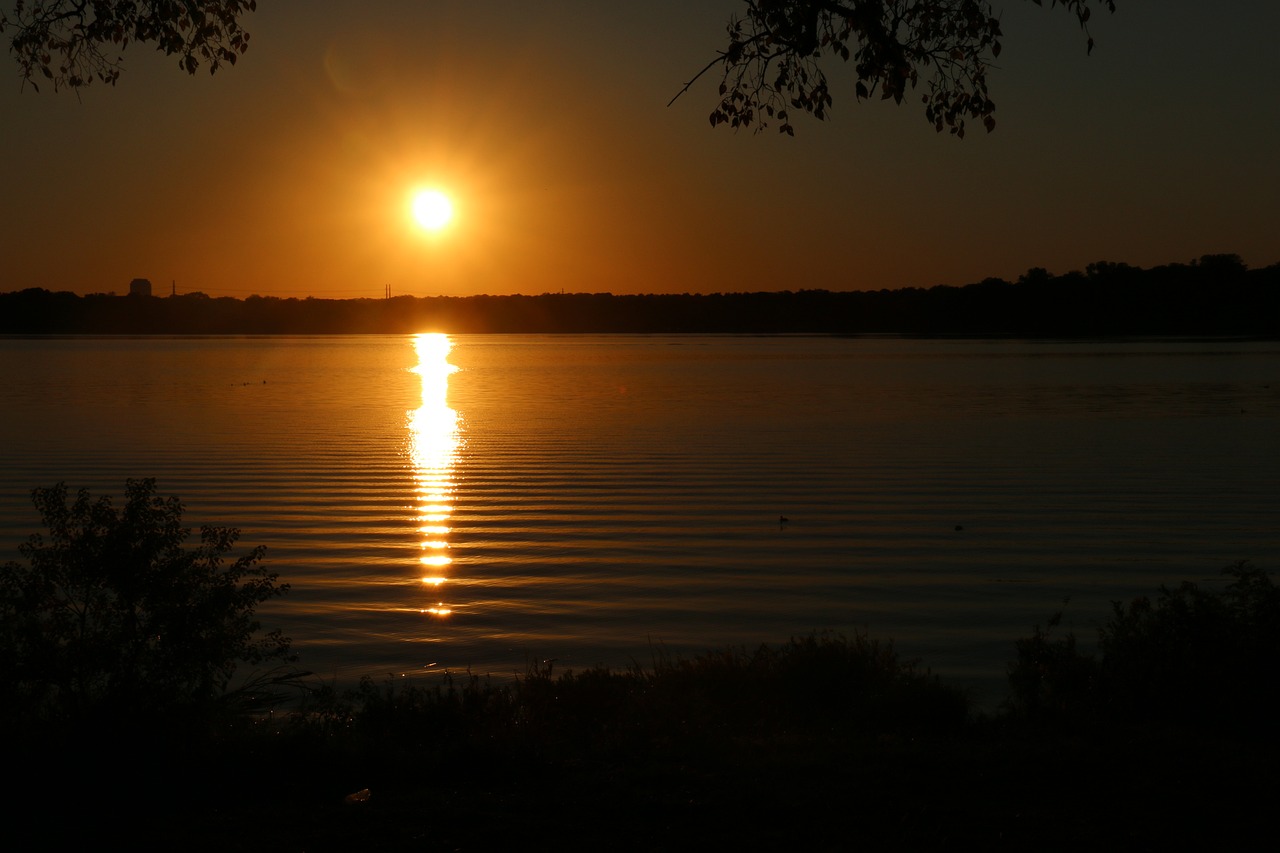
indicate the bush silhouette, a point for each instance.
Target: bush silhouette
{"x":111,"y":618}
{"x":1193,"y":657}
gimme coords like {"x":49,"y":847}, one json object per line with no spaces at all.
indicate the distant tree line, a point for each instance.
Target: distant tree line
{"x":1214,"y":295}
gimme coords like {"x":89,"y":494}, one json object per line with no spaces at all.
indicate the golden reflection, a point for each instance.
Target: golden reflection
{"x":433,"y":446}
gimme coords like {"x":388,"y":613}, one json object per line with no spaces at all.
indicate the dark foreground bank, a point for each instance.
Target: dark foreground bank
{"x":1160,"y":736}
{"x":125,"y":724}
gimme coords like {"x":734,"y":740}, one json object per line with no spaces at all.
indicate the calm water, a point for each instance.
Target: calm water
{"x":490,"y":500}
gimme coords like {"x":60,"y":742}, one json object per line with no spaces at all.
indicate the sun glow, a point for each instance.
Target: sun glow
{"x":432,"y":209}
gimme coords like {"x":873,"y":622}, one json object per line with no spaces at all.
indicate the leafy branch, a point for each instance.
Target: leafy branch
{"x":773,"y":63}
{"x":71,"y":43}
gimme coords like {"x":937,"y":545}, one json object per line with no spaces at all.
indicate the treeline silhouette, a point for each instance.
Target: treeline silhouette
{"x":1213,"y":295}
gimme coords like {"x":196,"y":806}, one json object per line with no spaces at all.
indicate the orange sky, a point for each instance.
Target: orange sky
{"x":290,"y":174}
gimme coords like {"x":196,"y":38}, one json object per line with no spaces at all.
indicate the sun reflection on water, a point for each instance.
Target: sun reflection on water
{"x":433,"y":446}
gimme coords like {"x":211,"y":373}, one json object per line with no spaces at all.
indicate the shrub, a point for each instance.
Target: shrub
{"x":111,"y":618}
{"x":1191,"y":657}
{"x":1194,"y":656}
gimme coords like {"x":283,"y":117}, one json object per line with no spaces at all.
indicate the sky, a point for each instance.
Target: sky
{"x":291,"y":173}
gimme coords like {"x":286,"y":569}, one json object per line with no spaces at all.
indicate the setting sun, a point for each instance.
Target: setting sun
{"x":432,"y":209}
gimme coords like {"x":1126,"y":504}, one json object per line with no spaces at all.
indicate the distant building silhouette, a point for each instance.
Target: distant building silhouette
{"x":140,"y":287}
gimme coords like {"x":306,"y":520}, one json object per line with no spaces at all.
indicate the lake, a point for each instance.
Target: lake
{"x":487,"y":501}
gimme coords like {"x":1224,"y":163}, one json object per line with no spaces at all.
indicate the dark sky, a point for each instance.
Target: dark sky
{"x":290,"y":174}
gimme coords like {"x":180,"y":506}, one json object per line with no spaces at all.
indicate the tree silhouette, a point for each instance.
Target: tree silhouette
{"x":772,"y":65}
{"x":112,"y":618}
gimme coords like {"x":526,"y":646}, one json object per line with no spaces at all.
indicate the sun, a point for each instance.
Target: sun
{"x":432,"y":209}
